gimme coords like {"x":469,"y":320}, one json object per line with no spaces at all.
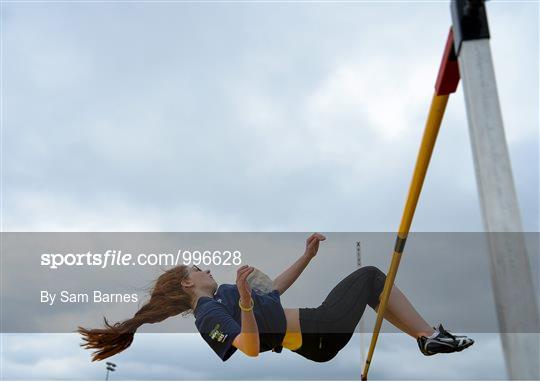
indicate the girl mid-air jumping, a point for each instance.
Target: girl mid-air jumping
{"x":231,"y":317}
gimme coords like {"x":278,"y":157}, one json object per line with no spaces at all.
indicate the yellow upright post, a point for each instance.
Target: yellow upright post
{"x":447,"y":81}
{"x":438,"y":105}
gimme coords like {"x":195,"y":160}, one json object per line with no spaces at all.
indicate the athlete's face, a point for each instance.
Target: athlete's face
{"x":200,"y":278}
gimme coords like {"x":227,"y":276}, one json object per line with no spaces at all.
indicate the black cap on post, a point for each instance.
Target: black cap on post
{"x":469,"y":21}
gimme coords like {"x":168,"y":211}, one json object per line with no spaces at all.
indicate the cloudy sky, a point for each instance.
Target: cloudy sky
{"x":228,"y":116}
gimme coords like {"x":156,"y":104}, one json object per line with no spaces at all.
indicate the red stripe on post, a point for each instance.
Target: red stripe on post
{"x":448,"y":77}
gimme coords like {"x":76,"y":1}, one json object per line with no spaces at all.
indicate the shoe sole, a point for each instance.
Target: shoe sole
{"x":454,"y":351}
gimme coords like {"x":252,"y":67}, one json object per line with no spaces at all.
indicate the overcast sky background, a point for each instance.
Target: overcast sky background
{"x":247,"y":117}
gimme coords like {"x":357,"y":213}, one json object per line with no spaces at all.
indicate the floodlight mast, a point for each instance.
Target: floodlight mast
{"x":516,"y":304}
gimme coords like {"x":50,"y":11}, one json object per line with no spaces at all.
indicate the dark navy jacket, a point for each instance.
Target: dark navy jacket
{"x":218,"y":319}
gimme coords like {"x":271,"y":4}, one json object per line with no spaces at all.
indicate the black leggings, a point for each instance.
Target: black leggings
{"x":328,"y":328}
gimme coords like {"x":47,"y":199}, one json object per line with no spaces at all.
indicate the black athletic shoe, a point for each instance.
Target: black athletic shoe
{"x":443,"y":342}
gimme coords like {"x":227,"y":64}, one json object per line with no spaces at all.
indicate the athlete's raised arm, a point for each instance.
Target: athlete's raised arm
{"x":248,"y":340}
{"x":289,"y":276}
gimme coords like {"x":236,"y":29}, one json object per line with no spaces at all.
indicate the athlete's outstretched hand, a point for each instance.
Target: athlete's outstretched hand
{"x":243,"y":286}
{"x":312,"y":244}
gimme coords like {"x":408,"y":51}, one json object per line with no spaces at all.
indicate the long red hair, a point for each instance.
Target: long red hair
{"x":167,"y":299}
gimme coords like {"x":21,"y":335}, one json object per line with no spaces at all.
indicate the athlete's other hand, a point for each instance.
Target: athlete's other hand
{"x":312,"y":244}
{"x":243,"y":286}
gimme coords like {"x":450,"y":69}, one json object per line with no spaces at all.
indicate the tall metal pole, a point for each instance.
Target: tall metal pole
{"x":110,"y":367}
{"x":361,"y":324}
{"x":517,"y":311}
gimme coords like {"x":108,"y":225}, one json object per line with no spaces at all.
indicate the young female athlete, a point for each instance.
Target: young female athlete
{"x":231,"y":317}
